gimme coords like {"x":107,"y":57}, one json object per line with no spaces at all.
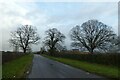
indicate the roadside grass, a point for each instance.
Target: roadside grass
{"x":17,"y":68}
{"x":103,"y":70}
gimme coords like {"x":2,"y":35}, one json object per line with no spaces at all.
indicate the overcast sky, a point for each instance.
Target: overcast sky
{"x":61,"y":15}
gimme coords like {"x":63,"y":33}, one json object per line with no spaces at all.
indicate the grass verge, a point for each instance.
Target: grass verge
{"x":107,"y":71}
{"x":17,"y":68}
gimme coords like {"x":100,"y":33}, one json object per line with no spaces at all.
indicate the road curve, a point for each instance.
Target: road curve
{"x":46,"y":68}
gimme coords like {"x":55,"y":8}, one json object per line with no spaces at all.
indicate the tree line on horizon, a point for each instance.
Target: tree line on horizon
{"x":90,"y":36}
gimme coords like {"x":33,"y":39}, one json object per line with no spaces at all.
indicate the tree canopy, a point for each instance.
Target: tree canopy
{"x":92,"y":35}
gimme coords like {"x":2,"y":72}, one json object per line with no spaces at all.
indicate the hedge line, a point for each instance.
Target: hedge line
{"x":8,"y":56}
{"x":106,"y":59}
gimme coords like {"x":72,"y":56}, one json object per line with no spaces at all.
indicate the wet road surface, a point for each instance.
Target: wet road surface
{"x":46,"y":68}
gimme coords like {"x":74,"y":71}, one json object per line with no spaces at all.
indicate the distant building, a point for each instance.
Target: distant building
{"x":75,"y":49}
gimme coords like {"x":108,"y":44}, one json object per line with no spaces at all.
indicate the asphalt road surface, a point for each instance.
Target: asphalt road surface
{"x":46,"y":68}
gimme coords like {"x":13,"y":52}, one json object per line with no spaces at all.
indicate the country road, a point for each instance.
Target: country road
{"x":46,"y":68}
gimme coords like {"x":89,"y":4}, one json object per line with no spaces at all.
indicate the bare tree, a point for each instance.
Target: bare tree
{"x":24,"y":36}
{"x":118,"y":40}
{"x":53,"y":39}
{"x":92,"y":35}
{"x":61,"y":48}
{"x":117,"y":44}
{"x":42,"y":50}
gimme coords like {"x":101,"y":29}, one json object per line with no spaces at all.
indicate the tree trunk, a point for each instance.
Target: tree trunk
{"x":91,"y":51}
{"x":24,"y":50}
{"x":51,"y":52}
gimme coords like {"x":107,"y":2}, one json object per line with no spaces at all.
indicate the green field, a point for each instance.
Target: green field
{"x":17,"y":68}
{"x":107,"y":71}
